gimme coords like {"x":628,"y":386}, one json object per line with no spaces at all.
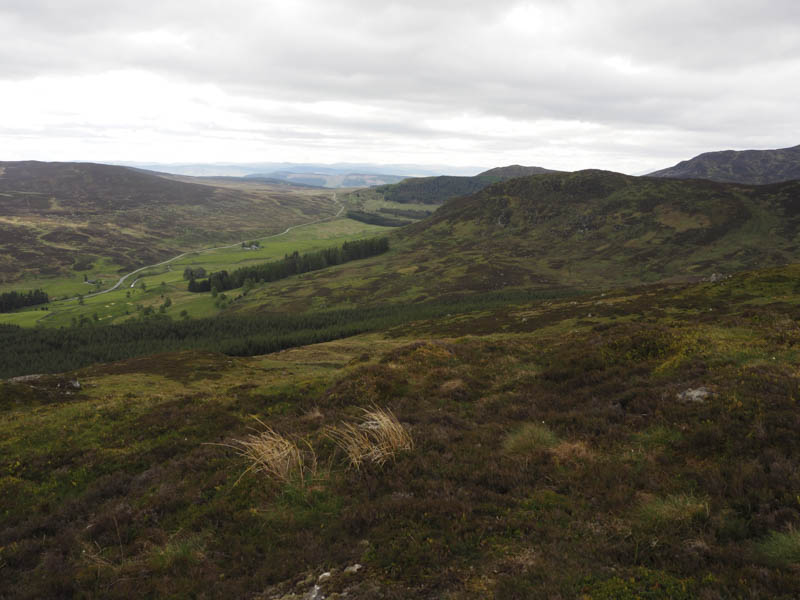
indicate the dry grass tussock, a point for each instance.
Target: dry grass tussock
{"x":378,"y":437}
{"x":569,"y":452}
{"x":276,"y":456}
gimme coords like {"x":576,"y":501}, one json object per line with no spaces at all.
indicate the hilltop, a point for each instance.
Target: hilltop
{"x":59,"y":218}
{"x":513,"y":171}
{"x":415,"y":198}
{"x":747,"y":166}
{"x":438,"y":190}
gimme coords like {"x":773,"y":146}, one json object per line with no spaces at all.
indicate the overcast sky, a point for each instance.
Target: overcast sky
{"x":627,"y":85}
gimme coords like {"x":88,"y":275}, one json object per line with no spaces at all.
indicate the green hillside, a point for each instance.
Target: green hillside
{"x":637,"y":444}
{"x":415,"y":198}
{"x":433,"y":190}
{"x":587,"y":230}
{"x":747,"y":166}
{"x":57,"y":219}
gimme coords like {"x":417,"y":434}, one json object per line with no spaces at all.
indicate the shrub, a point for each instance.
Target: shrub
{"x":378,"y":437}
{"x":781,"y":549}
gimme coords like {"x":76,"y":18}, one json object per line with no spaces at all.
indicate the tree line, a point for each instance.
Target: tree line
{"x":291,"y":264}
{"x":13,"y":300}
{"x":45,"y":350}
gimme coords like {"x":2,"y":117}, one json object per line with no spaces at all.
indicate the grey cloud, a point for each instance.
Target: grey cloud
{"x":694,"y":68}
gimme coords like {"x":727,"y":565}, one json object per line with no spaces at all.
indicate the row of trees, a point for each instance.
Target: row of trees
{"x":50,"y":350}
{"x":292,"y":264}
{"x":13,"y":300}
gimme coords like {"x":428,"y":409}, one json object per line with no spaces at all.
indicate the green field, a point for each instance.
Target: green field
{"x":167,"y":281}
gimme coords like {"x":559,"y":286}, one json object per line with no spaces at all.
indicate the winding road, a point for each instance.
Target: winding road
{"x":174,"y":258}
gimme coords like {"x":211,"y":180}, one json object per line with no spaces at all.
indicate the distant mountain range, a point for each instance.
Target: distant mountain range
{"x":269,"y":168}
{"x":747,"y":166}
{"x":330,"y":180}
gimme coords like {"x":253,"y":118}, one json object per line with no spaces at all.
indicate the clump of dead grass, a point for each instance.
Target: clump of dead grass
{"x":276,"y":456}
{"x":376,"y":438}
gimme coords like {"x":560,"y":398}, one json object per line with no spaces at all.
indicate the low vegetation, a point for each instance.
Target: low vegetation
{"x":529,"y":439}
{"x":781,"y":549}
{"x":442,"y":421}
{"x":646,"y":451}
{"x":376,"y":439}
{"x":277,"y":457}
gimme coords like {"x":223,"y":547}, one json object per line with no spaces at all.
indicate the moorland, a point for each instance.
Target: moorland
{"x":586,"y":385}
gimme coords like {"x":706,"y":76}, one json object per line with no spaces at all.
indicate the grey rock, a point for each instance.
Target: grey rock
{"x":315,"y":594}
{"x":25,"y":378}
{"x":697,"y":395}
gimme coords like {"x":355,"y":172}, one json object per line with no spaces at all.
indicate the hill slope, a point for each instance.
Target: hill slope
{"x":748,"y":166}
{"x":438,"y":190}
{"x":640,"y":444}
{"x":58,"y":217}
{"x":591,"y":229}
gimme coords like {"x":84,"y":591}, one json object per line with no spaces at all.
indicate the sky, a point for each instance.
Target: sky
{"x":625,"y":85}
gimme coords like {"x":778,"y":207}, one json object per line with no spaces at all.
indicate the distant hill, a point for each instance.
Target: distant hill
{"x":244,"y":169}
{"x":747,"y":166}
{"x":433,"y":190}
{"x":512,"y":171}
{"x":330,"y":180}
{"x":589,"y":229}
{"x":63,"y":217}
{"x":437,"y":190}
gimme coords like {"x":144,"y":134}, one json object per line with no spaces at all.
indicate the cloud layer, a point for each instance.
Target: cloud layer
{"x":625,"y":85}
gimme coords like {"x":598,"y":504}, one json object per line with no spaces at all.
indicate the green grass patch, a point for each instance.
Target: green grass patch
{"x":529,"y":439}
{"x":781,"y":549}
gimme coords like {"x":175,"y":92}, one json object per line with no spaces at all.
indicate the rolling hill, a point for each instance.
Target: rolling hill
{"x":747,"y":166}
{"x":64,"y":217}
{"x":412,"y":199}
{"x":589,"y":230}
{"x":437,"y":190}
